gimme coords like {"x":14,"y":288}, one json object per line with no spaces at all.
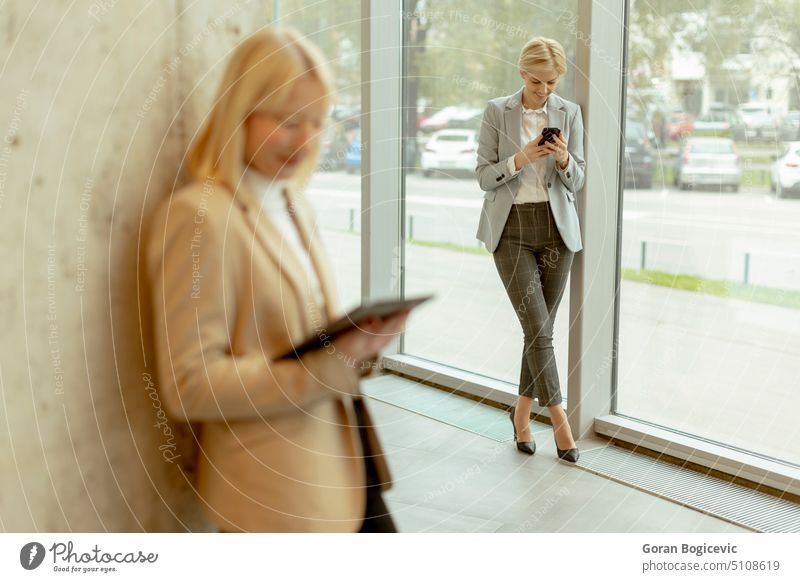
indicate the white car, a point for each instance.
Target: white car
{"x":450,"y":150}
{"x":786,"y":171}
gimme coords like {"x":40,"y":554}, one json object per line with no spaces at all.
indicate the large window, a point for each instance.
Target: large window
{"x":710,"y":290}
{"x":335,"y":189}
{"x":458,"y":56}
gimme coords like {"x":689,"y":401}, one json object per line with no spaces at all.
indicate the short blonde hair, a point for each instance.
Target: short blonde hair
{"x":259,"y":77}
{"x":541,"y":52}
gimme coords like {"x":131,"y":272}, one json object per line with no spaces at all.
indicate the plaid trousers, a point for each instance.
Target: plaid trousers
{"x":533,"y":263}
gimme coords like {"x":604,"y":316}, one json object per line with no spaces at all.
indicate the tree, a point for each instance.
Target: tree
{"x":336,"y":28}
{"x":471,"y":47}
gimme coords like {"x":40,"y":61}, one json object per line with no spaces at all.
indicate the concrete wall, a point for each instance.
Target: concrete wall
{"x":98,"y":103}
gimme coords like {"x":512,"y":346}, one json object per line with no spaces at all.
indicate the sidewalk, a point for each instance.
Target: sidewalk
{"x":728,"y":370}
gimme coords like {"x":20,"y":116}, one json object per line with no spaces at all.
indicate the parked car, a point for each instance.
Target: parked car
{"x":760,"y":121}
{"x":352,"y":154}
{"x":708,"y":161}
{"x":638,"y":156}
{"x":452,"y":117}
{"x":680,"y":125}
{"x":786,"y":171}
{"x":332,"y":149}
{"x":737,"y":124}
{"x":720,"y":123}
{"x":449,"y":150}
{"x":790,"y":126}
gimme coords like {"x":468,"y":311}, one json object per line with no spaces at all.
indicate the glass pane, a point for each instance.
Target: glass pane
{"x":335,"y":188}
{"x":710,"y":291}
{"x":459,"y":55}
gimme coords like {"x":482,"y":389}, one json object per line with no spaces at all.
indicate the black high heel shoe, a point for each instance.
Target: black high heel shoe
{"x":571,"y":455}
{"x":528,"y":447}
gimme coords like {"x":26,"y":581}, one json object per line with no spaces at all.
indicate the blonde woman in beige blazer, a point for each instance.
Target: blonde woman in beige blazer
{"x":238,"y":276}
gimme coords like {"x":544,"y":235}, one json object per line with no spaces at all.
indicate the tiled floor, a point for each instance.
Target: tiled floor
{"x":450,"y":480}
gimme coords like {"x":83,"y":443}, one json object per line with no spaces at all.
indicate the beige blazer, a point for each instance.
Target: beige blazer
{"x":280,"y":449}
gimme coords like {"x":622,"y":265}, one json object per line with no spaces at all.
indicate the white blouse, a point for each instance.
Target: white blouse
{"x":533,"y":181}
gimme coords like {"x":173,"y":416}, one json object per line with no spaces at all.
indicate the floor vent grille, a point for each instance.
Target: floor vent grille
{"x":729,"y":501}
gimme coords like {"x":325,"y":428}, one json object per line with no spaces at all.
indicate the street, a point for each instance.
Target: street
{"x":749,"y":235}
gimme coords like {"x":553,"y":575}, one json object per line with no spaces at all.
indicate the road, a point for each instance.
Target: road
{"x":749,"y":235}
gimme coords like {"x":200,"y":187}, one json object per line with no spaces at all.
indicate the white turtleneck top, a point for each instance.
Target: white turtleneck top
{"x":275,"y":205}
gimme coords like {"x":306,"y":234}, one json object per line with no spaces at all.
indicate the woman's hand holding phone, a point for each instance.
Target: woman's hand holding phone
{"x":531,"y":152}
{"x":549,"y":142}
{"x":558,"y":149}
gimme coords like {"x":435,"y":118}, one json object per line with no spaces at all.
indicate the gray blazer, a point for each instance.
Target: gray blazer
{"x":500,"y":138}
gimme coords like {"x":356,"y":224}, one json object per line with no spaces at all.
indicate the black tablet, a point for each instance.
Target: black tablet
{"x":382,"y":309}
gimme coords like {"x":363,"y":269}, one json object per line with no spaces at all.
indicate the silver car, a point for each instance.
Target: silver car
{"x":708,"y":161}
{"x":760,"y":121}
{"x":790,"y":126}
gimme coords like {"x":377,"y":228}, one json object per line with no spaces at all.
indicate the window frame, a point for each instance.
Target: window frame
{"x":595,"y":280}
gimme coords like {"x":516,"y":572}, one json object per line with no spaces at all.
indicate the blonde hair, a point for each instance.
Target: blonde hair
{"x":541,"y":52}
{"x":259,"y":77}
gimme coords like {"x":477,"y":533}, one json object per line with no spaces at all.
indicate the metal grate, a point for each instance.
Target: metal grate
{"x":729,"y":501}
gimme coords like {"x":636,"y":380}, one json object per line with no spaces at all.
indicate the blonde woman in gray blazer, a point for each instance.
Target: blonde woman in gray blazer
{"x":529,"y":221}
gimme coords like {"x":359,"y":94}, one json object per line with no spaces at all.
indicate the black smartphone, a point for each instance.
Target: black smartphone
{"x":548,"y":133}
